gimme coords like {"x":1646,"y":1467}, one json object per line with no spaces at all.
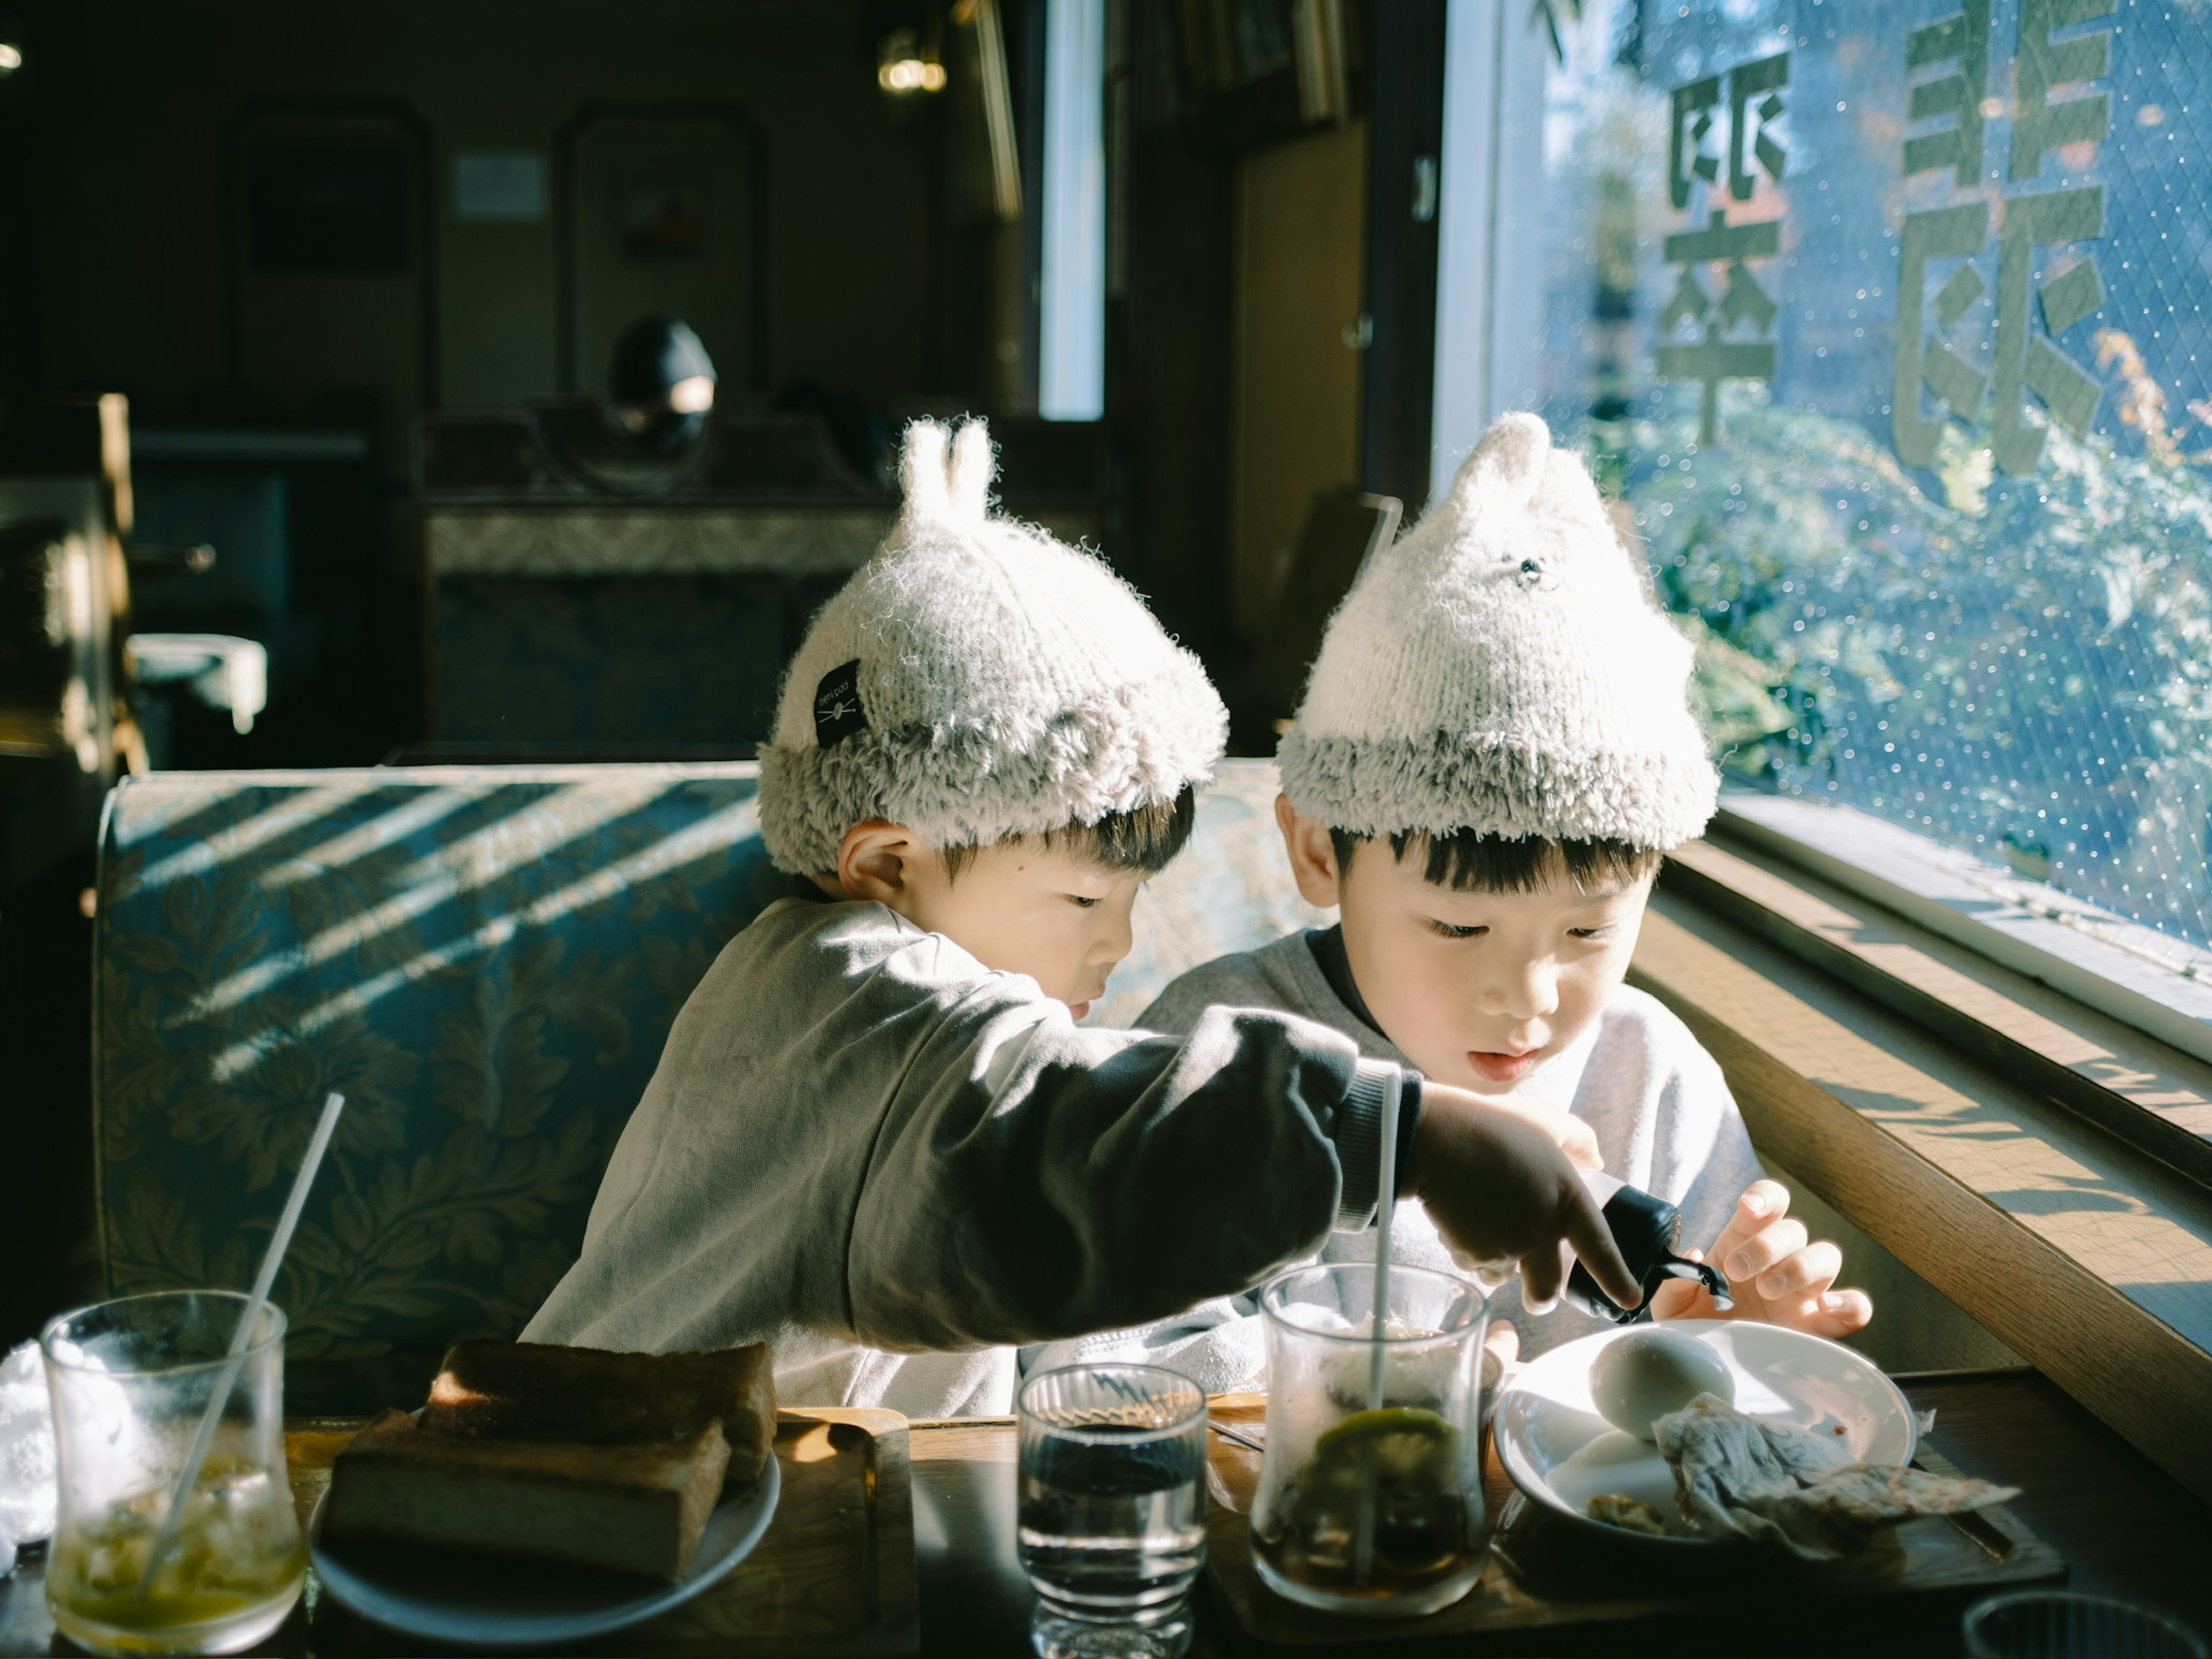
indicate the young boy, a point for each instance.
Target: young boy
{"x":876,"y":1138}
{"x":1493,"y":752}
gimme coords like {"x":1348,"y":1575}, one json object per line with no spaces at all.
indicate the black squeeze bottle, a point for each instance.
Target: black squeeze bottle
{"x":1647,"y":1228}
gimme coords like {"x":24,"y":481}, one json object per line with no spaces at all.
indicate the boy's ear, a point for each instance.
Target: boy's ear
{"x":872,"y":862}
{"x":1312,"y":853}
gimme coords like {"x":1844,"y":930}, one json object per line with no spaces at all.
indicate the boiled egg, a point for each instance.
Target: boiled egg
{"x":1639,"y":1378}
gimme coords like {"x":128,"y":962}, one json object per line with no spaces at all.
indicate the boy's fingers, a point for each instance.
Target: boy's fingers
{"x":1543,"y":1272}
{"x":1579,"y":1142}
{"x":1764,"y":1248}
{"x":1812,"y":1269}
{"x":1593,"y":1241}
{"x":1762,"y":1202}
{"x":1574,"y":1138}
{"x":1840,"y":1314}
{"x":1502,"y":1340}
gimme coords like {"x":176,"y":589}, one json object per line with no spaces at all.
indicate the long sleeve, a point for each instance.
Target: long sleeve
{"x":1034,"y":1181}
{"x":859,"y":1139}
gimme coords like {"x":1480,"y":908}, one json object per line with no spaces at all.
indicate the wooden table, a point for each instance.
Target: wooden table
{"x":2125,"y":1528}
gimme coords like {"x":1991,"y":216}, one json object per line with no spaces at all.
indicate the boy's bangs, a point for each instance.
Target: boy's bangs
{"x":1143,"y":841}
{"x":1467,"y":861}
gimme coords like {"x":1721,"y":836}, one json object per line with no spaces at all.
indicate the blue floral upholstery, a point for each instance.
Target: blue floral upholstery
{"x":486,"y":961}
{"x":1230,"y":891}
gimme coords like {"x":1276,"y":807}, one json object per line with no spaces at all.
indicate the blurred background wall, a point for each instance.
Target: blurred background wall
{"x":138,"y":96}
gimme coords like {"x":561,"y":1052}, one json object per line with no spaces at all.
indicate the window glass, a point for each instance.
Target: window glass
{"x":1884,"y":321}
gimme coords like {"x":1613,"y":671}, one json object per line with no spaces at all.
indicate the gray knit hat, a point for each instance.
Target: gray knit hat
{"x":977,"y":679}
{"x":1503,"y":669}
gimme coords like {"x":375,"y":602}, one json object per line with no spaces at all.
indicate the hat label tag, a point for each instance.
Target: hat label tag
{"x":838,"y":711}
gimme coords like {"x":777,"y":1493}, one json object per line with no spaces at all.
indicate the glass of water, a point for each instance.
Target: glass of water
{"x":1113,"y":1509}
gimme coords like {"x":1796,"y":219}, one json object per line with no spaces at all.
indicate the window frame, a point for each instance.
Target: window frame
{"x":1938,"y":1102}
{"x":2001,"y":1002}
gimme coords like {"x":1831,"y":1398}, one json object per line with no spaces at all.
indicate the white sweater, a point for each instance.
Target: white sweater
{"x":895,"y":1165}
{"x":1664,"y":1116}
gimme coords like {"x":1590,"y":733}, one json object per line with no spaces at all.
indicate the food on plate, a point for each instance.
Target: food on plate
{"x":638,"y":1508}
{"x":1397,"y":1470}
{"x":1644,"y":1375}
{"x":536,"y":1391}
{"x":1769,"y":1482}
{"x":568,"y":1454}
{"x":1618,"y":1509}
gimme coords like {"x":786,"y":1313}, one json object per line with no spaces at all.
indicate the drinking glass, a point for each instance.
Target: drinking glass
{"x":130,"y":1380}
{"x":2067,"y":1624}
{"x":1370,"y":1496}
{"x":1113,"y":1509}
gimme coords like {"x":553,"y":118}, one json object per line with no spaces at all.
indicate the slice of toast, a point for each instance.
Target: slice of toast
{"x":638,"y":1507}
{"x":534,"y":1391}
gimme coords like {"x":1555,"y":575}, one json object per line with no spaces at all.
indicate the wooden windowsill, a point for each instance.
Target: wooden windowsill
{"x":1964,"y":1118}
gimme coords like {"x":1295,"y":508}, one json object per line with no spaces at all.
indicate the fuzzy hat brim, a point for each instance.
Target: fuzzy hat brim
{"x":1493,"y":787}
{"x":1141,"y":745}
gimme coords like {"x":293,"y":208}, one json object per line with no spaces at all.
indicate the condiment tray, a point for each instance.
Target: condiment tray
{"x":1553,"y":1585}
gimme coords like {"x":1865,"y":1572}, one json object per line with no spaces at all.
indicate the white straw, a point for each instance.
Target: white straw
{"x":1386,"y":1204}
{"x":189,"y":1476}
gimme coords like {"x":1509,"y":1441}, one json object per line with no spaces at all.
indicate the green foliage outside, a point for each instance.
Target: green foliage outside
{"x":2019,"y":666}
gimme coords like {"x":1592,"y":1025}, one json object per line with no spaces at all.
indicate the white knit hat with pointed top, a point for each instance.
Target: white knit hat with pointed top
{"x":1503,"y":669}
{"x":977,"y":679}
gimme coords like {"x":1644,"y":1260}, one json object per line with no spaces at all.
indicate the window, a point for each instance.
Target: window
{"x":1885,"y":321}
{"x":1072,"y":297}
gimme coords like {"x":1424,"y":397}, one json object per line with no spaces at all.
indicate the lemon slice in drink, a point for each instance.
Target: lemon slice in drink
{"x":1394,"y":1475}
{"x":1399,"y":1442}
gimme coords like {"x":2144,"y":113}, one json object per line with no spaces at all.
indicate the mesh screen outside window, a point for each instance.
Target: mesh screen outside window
{"x":1885,"y":321}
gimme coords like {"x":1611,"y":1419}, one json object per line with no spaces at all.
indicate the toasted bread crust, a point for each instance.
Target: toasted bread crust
{"x":671,"y":1464}
{"x":590,"y":1397}
{"x":640,"y":1507}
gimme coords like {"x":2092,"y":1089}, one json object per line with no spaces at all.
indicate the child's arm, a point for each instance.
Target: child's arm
{"x":1034,"y":1181}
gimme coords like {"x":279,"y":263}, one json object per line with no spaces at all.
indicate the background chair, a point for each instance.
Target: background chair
{"x":1344,"y":529}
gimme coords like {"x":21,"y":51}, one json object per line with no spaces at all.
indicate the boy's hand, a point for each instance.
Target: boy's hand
{"x":1576,"y":1138}
{"x":1774,"y":1273}
{"x":1500,"y":1188}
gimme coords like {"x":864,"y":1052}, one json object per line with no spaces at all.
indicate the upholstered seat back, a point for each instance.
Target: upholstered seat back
{"x":486,"y":962}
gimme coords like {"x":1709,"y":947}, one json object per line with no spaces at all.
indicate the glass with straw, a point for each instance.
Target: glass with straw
{"x":1370,"y":1496}
{"x":131,"y":1379}
{"x":175,"y":1531}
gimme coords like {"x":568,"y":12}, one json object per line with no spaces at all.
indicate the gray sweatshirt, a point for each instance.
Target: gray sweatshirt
{"x":865,"y":1147}
{"x":1664,"y":1116}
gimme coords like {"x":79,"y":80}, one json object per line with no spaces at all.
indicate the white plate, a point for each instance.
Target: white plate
{"x":497,"y":1601}
{"x":1562,"y":1453}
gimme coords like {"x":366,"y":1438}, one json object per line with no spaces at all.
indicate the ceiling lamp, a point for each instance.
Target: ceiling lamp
{"x":902,"y":69}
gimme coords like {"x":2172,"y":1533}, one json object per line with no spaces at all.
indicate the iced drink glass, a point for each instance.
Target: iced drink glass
{"x":1370,"y":1494}
{"x":130,"y":1380}
{"x":1113,"y":1509}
